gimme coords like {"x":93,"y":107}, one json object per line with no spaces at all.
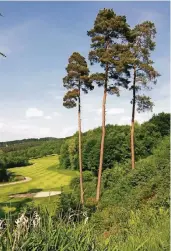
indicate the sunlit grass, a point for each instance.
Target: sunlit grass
{"x":46,"y":176}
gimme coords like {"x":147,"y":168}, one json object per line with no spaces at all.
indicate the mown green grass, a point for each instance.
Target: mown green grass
{"x":46,"y":176}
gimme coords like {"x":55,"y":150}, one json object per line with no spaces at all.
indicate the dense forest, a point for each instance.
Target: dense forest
{"x":117,"y":144}
{"x":117,"y":147}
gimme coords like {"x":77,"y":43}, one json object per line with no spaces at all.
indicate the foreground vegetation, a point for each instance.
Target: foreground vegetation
{"x":133,"y":213}
{"x":144,"y":230}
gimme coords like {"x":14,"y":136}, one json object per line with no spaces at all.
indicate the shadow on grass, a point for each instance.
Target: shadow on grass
{"x":34,"y":190}
{"x":18,"y":205}
{"x":54,"y":167}
{"x":15,"y":205}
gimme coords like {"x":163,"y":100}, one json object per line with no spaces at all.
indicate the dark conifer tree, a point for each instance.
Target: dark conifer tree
{"x":77,"y":80}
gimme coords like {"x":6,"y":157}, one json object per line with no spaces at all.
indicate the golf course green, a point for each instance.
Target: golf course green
{"x":45,"y":175}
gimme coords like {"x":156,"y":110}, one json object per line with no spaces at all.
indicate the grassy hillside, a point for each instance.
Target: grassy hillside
{"x":45,"y":176}
{"x":133,"y":214}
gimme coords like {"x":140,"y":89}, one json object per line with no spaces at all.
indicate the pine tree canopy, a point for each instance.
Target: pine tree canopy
{"x":76,"y":80}
{"x":140,"y":63}
{"x":108,"y":36}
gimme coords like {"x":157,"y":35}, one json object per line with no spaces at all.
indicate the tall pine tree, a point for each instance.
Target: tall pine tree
{"x":108,"y":33}
{"x":143,"y":73}
{"x":77,"y":80}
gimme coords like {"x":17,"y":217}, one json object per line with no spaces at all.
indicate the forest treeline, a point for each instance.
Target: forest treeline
{"x":18,"y":153}
{"x":117,"y":147}
{"x":117,"y":144}
{"x":16,"y":145}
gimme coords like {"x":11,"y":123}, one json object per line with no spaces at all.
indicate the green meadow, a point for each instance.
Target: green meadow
{"x":46,"y":176}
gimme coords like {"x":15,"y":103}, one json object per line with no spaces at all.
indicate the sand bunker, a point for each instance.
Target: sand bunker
{"x":36,"y":195}
{"x":46,"y":194}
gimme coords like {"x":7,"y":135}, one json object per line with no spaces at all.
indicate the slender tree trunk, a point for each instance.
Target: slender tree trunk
{"x":80,"y":151}
{"x":132,"y":124}
{"x":103,"y":136}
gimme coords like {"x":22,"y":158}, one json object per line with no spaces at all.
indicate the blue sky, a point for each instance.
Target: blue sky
{"x":38,"y":38}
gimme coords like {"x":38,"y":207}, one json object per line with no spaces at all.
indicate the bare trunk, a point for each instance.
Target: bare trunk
{"x":80,"y":151}
{"x":103,"y":137}
{"x":132,"y":124}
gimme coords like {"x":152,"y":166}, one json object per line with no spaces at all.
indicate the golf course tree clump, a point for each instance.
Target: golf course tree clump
{"x":3,"y":173}
{"x":76,"y":81}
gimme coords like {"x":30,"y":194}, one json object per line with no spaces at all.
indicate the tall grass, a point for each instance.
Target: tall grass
{"x":144,"y":231}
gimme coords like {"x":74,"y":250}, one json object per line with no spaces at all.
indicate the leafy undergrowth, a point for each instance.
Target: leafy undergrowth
{"x":134,"y":207}
{"x":133,"y":214}
{"x":145,"y":230}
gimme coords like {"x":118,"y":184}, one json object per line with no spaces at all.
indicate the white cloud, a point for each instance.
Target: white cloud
{"x":113,"y":111}
{"x":98,"y":111}
{"x":47,"y":117}
{"x":33,"y":112}
{"x":125,"y":120}
{"x":68,"y":131}
{"x":1,"y":125}
{"x":18,"y":127}
{"x":110,"y":111}
{"x":44,"y":132}
{"x":12,"y":130}
{"x":56,"y":114}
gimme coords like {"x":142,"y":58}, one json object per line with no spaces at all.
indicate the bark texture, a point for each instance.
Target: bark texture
{"x":132,"y":124}
{"x":80,"y":152}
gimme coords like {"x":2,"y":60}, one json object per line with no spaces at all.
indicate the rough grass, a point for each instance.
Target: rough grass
{"x":46,"y":176}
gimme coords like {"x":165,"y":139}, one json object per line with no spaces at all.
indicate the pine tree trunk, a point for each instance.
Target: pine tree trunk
{"x":80,"y":151}
{"x":132,"y":124}
{"x":103,"y":137}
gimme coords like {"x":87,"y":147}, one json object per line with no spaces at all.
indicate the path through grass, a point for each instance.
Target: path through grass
{"x":46,"y":176}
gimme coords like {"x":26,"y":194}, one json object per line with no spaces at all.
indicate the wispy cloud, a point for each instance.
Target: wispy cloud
{"x":110,"y":111}
{"x":33,"y":112}
{"x":44,"y":132}
{"x":48,"y":117}
{"x":68,"y":131}
{"x":56,"y":114}
{"x":114,"y":111}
